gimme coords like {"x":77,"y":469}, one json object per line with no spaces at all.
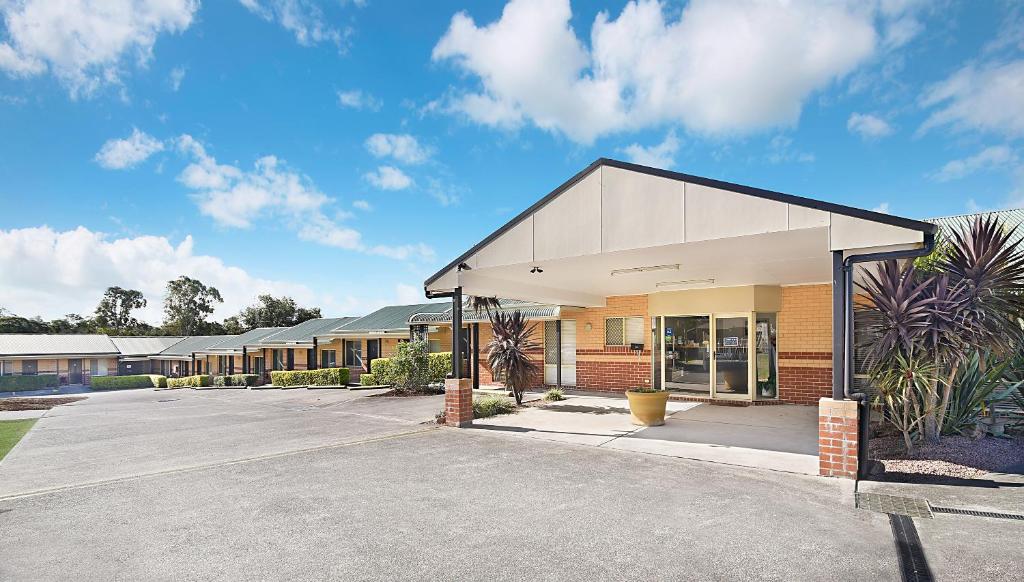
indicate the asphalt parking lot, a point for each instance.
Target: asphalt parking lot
{"x":232,"y":484}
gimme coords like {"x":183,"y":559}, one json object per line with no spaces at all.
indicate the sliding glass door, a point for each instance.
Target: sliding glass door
{"x":707,"y":355}
{"x":686,"y":356}
{"x":732,"y":356}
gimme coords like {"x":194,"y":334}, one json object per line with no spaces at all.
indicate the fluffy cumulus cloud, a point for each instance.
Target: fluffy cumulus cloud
{"x":660,"y":155}
{"x":400,"y":147}
{"x":303,"y":18}
{"x":234,"y":197}
{"x":50,"y":273}
{"x":120,"y":154}
{"x":359,"y":99}
{"x":990,"y":158}
{"x":983,"y":97}
{"x":388,"y":178}
{"x":86,"y":44}
{"x":719,"y":67}
{"x":868,"y":126}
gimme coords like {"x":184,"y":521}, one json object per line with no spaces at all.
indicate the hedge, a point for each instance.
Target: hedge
{"x":439,"y":365}
{"x":237,"y":380}
{"x":124,"y":382}
{"x":189,"y":381}
{"x":18,"y":383}
{"x":369,"y":379}
{"x":321,"y":377}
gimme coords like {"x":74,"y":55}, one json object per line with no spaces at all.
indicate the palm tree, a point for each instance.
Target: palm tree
{"x":508,"y":351}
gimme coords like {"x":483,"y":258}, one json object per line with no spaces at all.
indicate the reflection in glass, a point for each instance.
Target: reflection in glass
{"x":767,"y":357}
{"x":688,"y":354}
{"x":731,"y":357}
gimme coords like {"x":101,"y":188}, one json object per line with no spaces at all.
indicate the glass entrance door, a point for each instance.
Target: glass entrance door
{"x":687,"y":354}
{"x":732,"y":356}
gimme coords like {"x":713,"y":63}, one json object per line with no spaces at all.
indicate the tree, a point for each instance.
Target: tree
{"x":114,"y":311}
{"x":508,"y":351}
{"x":270,"y":311}
{"x":187,"y":304}
{"x":73,"y":323}
{"x":232,"y":325}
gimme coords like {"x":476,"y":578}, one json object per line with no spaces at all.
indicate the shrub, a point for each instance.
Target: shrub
{"x":125,"y":382}
{"x":321,"y":377}
{"x":383,"y":371}
{"x":368,"y":379}
{"x":18,"y":383}
{"x":554,"y":395}
{"x":190,"y":381}
{"x":221,"y":381}
{"x":439,"y":366}
{"x":244,"y":380}
{"x":492,"y":406}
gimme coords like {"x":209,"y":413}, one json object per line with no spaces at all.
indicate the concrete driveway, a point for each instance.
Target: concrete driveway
{"x":299,"y":485}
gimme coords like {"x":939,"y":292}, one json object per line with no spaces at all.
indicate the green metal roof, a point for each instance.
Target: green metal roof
{"x":530,"y":309}
{"x":192,"y":343}
{"x":143,"y":345}
{"x":304,"y":332}
{"x":234,"y":343}
{"x":392,"y":318}
{"x":1012,"y":217}
{"x":21,"y":344}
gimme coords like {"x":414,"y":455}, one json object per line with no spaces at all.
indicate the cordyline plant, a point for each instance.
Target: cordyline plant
{"x":508,"y":351}
{"x":971,"y":297}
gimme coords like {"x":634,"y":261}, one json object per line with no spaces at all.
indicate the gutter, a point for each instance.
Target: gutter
{"x":862,"y":398}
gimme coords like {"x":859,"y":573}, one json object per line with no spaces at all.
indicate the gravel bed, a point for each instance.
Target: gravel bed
{"x":956,"y":456}
{"x":36,"y":403}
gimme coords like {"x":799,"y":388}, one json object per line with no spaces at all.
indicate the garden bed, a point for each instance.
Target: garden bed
{"x":956,"y":456}
{"x":36,"y":403}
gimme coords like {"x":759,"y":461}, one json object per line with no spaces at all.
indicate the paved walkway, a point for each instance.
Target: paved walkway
{"x":780,"y":438}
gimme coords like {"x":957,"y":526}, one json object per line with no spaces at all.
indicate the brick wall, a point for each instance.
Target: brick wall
{"x":611,"y":368}
{"x":837,"y":438}
{"x":805,"y":344}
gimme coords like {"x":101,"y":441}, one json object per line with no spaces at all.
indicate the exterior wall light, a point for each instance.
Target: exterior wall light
{"x":649,"y":269}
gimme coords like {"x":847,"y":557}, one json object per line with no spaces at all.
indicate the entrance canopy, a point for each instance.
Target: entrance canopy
{"x":623,"y":229}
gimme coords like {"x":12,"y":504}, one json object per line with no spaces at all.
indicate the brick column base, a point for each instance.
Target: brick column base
{"x":458,"y":402}
{"x":837,"y":438}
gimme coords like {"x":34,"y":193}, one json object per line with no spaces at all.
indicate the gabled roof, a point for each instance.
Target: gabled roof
{"x":808,"y":203}
{"x":234,"y":343}
{"x":144,"y":346}
{"x":192,"y":343}
{"x":303,"y":333}
{"x":1011,"y":217}
{"x":531,"y":310}
{"x":393,"y":318}
{"x":55,"y":345}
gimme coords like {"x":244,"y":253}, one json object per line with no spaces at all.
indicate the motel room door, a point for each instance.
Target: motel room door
{"x":74,"y":371}
{"x":568,"y":350}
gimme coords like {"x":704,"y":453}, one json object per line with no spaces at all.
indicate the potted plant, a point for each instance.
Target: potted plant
{"x":647,"y":405}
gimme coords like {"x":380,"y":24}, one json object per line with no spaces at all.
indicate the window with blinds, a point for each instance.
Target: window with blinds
{"x":622,"y":331}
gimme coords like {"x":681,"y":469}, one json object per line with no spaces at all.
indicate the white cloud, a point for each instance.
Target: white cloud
{"x":990,"y":158}
{"x":720,"y":67}
{"x":120,"y":154}
{"x":868,"y":126}
{"x":358,"y":99}
{"x":661,"y":155}
{"x":883,"y":208}
{"x":51,"y":273}
{"x":362,"y":205}
{"x":303,"y":18}
{"x":388,"y":178}
{"x":984,"y":97}
{"x":445,"y":193}
{"x":781,"y":150}
{"x":86,"y":43}
{"x":176,"y":77}
{"x":402,"y":147}
{"x":409,"y":294}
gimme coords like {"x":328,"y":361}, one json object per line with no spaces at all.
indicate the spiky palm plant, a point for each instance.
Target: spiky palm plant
{"x":508,"y":351}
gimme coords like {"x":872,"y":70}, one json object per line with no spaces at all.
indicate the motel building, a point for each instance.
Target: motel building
{"x":716,"y":292}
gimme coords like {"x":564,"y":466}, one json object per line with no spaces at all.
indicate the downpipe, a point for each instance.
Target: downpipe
{"x":864,"y":418}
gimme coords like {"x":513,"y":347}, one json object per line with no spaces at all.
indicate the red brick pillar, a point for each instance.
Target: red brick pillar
{"x":458,"y":402}
{"x":837,"y":438}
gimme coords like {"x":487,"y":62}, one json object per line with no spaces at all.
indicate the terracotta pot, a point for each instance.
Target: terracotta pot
{"x":647,"y":408}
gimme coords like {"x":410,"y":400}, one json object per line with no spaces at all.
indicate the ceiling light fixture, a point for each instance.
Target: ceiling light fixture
{"x":536,"y":270}
{"x":687,"y":283}
{"x":649,"y":269}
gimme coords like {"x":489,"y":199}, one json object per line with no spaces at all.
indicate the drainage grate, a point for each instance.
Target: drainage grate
{"x":913,"y":563}
{"x":892,"y":504}
{"x":971,"y":512}
{"x":168,"y":400}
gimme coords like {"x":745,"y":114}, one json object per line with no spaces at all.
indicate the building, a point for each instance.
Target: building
{"x":712,"y":290}
{"x":180,"y":359}
{"x":295,"y":347}
{"x":137,"y":351}
{"x":70,"y":359}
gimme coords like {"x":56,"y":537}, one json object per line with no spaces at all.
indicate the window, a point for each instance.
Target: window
{"x":279,"y":359}
{"x":29,"y":367}
{"x":623,"y":331}
{"x":6,"y":367}
{"x":310,"y":358}
{"x":328,"y":359}
{"x":221,"y":364}
{"x":434,"y":346}
{"x":354,"y":353}
{"x":257,"y":365}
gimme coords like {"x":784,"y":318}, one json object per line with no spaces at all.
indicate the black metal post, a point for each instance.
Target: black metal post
{"x":558,"y":358}
{"x":291,"y":359}
{"x":457,"y":333}
{"x":314,"y":364}
{"x":476,"y":356}
{"x":245,"y":360}
{"x":193,"y":363}
{"x":838,"y":325}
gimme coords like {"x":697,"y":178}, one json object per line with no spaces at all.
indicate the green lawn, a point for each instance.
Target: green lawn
{"x":11,"y":432}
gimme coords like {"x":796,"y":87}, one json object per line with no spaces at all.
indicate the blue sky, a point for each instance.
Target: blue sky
{"x":342,"y":151}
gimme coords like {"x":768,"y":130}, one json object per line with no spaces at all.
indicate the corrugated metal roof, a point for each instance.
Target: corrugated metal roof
{"x":390,"y":318}
{"x":234,"y":343}
{"x":1012,"y":217}
{"x":192,"y":343}
{"x":144,"y":346}
{"x":21,"y":344}
{"x":528,"y":308}
{"x":305,"y":331}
